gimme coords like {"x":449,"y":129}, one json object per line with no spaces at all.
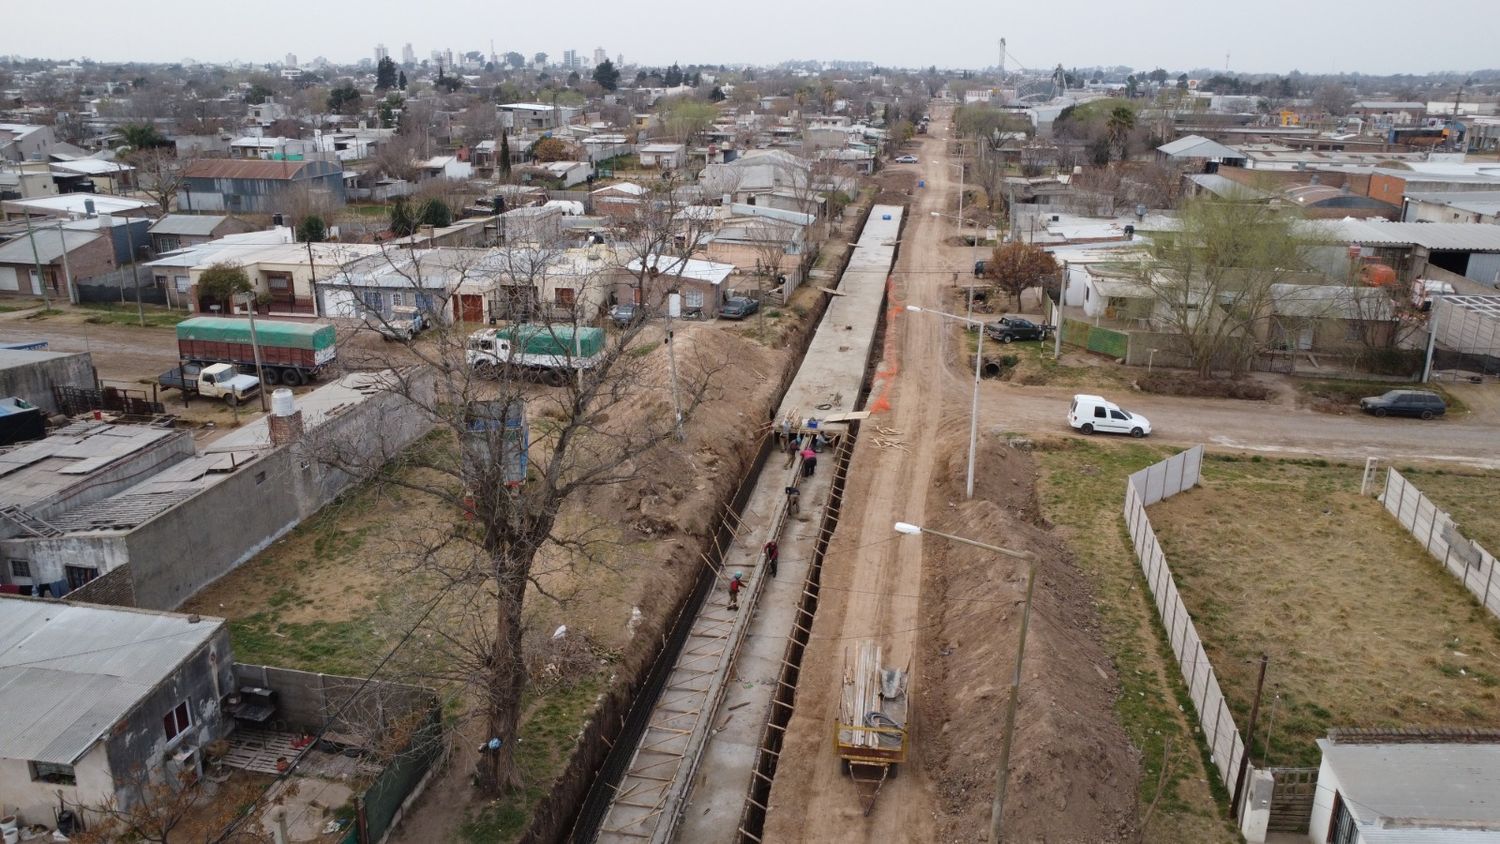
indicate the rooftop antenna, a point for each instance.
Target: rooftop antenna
{"x":1002,"y":61}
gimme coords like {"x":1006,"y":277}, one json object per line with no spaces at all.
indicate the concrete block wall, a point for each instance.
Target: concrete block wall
{"x":31,"y":375}
{"x":305,"y":700}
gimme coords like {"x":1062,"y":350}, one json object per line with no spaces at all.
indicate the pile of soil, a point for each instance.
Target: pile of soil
{"x":1074,"y":773}
{"x":895,"y":187}
{"x":1181,"y":384}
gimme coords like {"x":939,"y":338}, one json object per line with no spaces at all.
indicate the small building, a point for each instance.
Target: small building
{"x":1452,"y":207}
{"x":92,"y":175}
{"x":26,"y":179}
{"x":1402,"y":790}
{"x":564,"y":174}
{"x":1386,"y":114}
{"x":448,"y":167}
{"x":662,"y":156}
{"x":24,"y":142}
{"x":258,"y":187}
{"x":75,"y":205}
{"x":63,"y":254}
{"x":97,"y":698}
{"x":701,"y":284}
{"x":175,"y":231}
{"x":620,"y":200}
{"x":535,"y":116}
{"x":1328,"y":202}
{"x":1200,"y":153}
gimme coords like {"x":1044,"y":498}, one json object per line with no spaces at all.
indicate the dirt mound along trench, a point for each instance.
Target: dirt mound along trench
{"x":1074,"y":774}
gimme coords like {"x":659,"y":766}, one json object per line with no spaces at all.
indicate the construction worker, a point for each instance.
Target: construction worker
{"x":809,"y":462}
{"x":773,"y":555}
{"x":736,"y":583}
{"x":793,"y":500}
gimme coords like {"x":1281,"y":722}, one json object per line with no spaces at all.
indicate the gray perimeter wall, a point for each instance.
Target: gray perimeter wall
{"x":30,"y":375}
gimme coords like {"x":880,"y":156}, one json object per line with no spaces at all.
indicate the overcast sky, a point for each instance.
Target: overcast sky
{"x":1314,"y":36}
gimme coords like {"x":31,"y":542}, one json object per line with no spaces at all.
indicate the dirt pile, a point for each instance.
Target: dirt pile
{"x":1186,"y":384}
{"x":1073,"y":770}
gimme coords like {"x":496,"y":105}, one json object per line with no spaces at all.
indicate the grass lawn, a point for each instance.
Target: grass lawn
{"x":1081,"y":490}
{"x":112,"y":313}
{"x":1336,"y":395}
{"x":1468,"y":497}
{"x":1363,"y":628}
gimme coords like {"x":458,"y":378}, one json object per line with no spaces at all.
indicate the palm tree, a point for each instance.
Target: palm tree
{"x":1117,"y":130}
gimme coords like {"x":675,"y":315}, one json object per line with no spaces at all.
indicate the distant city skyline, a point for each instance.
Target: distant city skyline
{"x":1273,"y":36}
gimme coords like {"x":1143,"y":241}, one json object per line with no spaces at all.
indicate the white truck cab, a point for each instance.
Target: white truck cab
{"x":1096,"y":414}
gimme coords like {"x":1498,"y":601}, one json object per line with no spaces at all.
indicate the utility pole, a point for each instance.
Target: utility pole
{"x":1002,"y":773}
{"x":135,"y":271}
{"x":41,"y":279}
{"x":260,"y":372}
{"x":1239,"y":779}
{"x":67,"y":271}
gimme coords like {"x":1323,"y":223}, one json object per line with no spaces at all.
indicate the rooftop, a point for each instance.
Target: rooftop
{"x":49,"y":243}
{"x":1461,"y":237}
{"x":712,"y":272}
{"x":254,"y":168}
{"x":1475,"y":201}
{"x":74,"y":457}
{"x":1197,"y":146}
{"x":77,"y":203}
{"x":1394,"y":790}
{"x":69,"y":672}
{"x":188,"y":224}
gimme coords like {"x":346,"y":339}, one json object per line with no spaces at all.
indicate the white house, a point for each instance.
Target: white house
{"x":1371,"y":792}
{"x":662,"y":156}
{"x":446,"y":167}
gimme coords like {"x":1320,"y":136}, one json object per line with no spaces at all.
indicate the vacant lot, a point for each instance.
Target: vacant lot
{"x":1468,"y":497}
{"x":1362,"y":627}
{"x":1081,"y":488}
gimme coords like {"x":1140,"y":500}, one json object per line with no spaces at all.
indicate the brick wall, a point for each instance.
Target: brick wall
{"x":1387,"y":188}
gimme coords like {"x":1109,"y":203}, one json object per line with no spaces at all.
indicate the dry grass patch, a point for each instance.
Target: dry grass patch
{"x":1468,"y":497}
{"x":1362,"y":627}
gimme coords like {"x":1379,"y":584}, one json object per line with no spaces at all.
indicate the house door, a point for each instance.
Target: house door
{"x":468,"y":307}
{"x":281,"y":291}
{"x":1305,"y":338}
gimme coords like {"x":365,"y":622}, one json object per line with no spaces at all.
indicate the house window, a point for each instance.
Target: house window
{"x":52,"y":773}
{"x":692,"y":298}
{"x":177,"y":721}
{"x":371,"y":298}
{"x":397,"y":299}
{"x":564,"y":297}
{"x":1354,"y":330}
{"x":79,"y":575}
{"x":20,"y":568}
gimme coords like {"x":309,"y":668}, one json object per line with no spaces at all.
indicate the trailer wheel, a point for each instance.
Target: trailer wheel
{"x":231,"y":401}
{"x":273,"y":377}
{"x":292,"y":377}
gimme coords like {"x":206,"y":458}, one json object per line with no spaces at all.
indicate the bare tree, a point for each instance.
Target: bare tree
{"x":159,"y":173}
{"x":517,"y":532}
{"x":163,"y":809}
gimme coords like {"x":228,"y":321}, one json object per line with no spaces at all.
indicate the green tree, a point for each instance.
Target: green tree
{"x":1015,"y":266}
{"x":574,"y":78}
{"x":450,"y":84}
{"x":436,"y":213}
{"x":143,"y":136}
{"x":1158,"y":76}
{"x":515,"y":60}
{"x":344,"y":99}
{"x":1118,"y":128}
{"x":402,"y":221}
{"x":674,"y":76}
{"x":221,"y":282}
{"x":385,"y":75}
{"x":312,"y":229}
{"x":684,"y":117}
{"x":258,"y":94}
{"x":504,"y":158}
{"x":607,"y":75}
{"x":549,"y":149}
{"x":401,"y":81}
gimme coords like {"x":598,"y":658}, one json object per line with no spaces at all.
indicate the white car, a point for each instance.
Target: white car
{"x":1098,"y":415}
{"x":906,"y":159}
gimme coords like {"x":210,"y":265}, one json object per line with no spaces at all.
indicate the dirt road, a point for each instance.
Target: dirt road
{"x":1272,"y":428}
{"x":873,"y":580}
{"x":123,"y":355}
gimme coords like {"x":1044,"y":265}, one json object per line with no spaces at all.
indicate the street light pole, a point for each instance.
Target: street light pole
{"x":974,"y":401}
{"x":1002,"y":769}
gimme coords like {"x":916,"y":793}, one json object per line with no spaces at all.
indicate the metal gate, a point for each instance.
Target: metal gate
{"x":1292,"y":798}
{"x":72,"y":401}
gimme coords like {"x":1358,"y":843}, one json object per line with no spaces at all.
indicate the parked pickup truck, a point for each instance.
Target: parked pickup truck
{"x":549,"y":352}
{"x":291,"y":353}
{"x":219,"y":380}
{"x":404,"y":323}
{"x":1008,"y":329}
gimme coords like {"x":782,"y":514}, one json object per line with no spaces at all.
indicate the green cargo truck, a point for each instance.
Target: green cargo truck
{"x":548,"y":351}
{"x":291,"y":353}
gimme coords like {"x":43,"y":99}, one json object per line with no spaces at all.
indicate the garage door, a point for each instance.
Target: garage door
{"x":8,"y":279}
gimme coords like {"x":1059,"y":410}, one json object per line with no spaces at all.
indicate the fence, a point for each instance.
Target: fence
{"x":1105,"y":341}
{"x":1464,"y":558}
{"x":1148,"y":486}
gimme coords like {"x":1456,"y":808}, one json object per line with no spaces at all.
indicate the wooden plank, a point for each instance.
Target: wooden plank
{"x":831,"y":291}
{"x":851,"y":416}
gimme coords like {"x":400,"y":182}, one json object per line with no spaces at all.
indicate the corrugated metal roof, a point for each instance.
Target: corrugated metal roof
{"x":1461,"y":237}
{"x":49,"y":246}
{"x":188,"y":224}
{"x":69,"y":672}
{"x":1223,"y":186}
{"x":1474,"y":201}
{"x":247,"y":168}
{"x":1197,"y":146}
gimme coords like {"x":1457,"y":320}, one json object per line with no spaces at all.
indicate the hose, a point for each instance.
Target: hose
{"x":880,"y":719}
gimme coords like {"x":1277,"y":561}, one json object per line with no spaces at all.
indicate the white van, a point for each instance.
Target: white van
{"x":1095,"y":414}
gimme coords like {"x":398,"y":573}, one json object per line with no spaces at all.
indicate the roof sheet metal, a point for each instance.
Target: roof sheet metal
{"x":48,"y":245}
{"x":1477,"y":201}
{"x":1197,"y":146}
{"x":247,"y":168}
{"x":69,"y":672}
{"x":1419,"y":787}
{"x":1461,"y":237}
{"x":200,"y":225}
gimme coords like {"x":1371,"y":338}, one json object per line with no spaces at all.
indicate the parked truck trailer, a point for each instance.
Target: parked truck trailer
{"x":291,"y":353}
{"x":548,"y":351}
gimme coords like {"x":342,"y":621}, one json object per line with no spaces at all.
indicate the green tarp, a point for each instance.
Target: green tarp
{"x":268,"y":332}
{"x":554,"y":340}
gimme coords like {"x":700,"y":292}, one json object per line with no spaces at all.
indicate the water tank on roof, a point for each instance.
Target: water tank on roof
{"x":282,"y":403}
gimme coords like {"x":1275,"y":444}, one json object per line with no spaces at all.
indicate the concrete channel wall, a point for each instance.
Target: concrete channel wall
{"x":702,"y":737}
